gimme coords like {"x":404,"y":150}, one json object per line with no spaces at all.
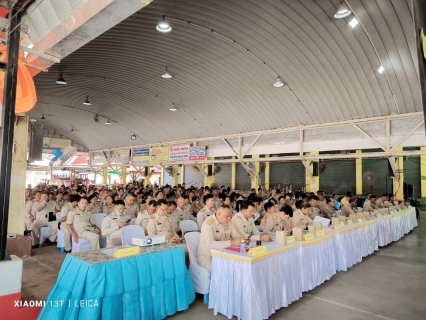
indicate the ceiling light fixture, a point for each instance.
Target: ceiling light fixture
{"x":43,"y":118}
{"x":61,"y":80}
{"x":381,"y":69}
{"x":133,"y":137}
{"x":279,"y":83}
{"x":173,"y":108}
{"x":87,"y":102}
{"x":163,"y":26}
{"x":108,"y":122}
{"x":342,"y":11}
{"x":166,"y":75}
{"x":96,"y":118}
{"x":353,"y":23}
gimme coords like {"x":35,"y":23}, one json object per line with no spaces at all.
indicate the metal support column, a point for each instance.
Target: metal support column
{"x":7,"y":123}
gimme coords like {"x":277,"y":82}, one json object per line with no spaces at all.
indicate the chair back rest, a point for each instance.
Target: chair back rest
{"x":130,"y":232}
{"x":188,"y":225}
{"x":98,"y":219}
{"x":58,"y":216}
{"x":192,"y":240}
{"x":132,"y":222}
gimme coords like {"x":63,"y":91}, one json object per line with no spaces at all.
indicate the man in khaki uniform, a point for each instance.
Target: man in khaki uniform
{"x":243,"y":224}
{"x":179,"y":214}
{"x":383,"y":201}
{"x":207,"y":211}
{"x":112,"y":224}
{"x":329,"y":210}
{"x":216,"y":234}
{"x":42,"y":218}
{"x":301,"y":216}
{"x":30,"y":210}
{"x":131,"y":209}
{"x":370,"y":205}
{"x":144,"y":216}
{"x":161,"y":225}
{"x":350,"y":207}
{"x":315,"y":211}
{"x":84,"y":224}
{"x":270,"y":210}
{"x":322,"y":201}
{"x":279,"y":221}
{"x":68,"y":207}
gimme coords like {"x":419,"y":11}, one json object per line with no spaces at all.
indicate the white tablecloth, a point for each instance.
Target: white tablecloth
{"x":318,"y":261}
{"x":393,"y":227}
{"x":254,"y":290}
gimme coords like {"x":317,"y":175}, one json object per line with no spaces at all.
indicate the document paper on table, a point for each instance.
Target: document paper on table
{"x":110,"y":251}
{"x":325,"y":222}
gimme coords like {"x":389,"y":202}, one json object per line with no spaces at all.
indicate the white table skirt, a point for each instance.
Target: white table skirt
{"x":318,"y":263}
{"x":255,"y":290}
{"x":392,"y":229}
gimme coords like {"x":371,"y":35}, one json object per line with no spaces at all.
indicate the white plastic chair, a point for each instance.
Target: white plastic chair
{"x":45,"y":233}
{"x":83,"y":245}
{"x":99,"y":217}
{"x":130,"y":232}
{"x":188,"y":225}
{"x":200,"y":276}
{"x":132,"y":222}
{"x":60,"y":238}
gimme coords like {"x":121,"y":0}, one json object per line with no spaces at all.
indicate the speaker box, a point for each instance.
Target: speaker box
{"x":36,"y":142}
{"x":209,"y":170}
{"x":315,"y":169}
{"x":145,"y":171}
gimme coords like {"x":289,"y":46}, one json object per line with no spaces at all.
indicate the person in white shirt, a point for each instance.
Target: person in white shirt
{"x":145,"y":215}
{"x":113,"y":223}
{"x":43,"y":209}
{"x":207,"y":211}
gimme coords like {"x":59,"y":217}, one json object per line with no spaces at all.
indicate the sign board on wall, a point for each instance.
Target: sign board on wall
{"x":121,"y":156}
{"x":197,"y":153}
{"x":179,"y":153}
{"x":159,"y":154}
{"x":141,"y":155}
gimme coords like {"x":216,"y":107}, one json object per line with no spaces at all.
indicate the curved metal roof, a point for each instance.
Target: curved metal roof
{"x":221,"y":88}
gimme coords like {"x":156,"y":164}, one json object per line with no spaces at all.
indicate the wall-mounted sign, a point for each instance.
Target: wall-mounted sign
{"x":179,"y":153}
{"x":141,"y":155}
{"x":197,"y":153}
{"x":121,"y":156}
{"x":159,"y":154}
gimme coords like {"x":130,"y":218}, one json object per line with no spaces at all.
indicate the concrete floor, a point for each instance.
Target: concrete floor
{"x":390,"y":284}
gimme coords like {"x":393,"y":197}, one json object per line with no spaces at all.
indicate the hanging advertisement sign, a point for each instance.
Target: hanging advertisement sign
{"x":141,"y":155}
{"x":197,"y":153}
{"x":158,"y":154}
{"x":121,"y":156}
{"x":179,"y":153}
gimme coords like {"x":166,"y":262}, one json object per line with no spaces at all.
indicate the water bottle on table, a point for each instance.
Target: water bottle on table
{"x":243,"y":246}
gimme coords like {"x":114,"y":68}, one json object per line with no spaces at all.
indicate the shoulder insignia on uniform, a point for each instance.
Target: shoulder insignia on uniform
{"x":239,"y":217}
{"x":153,"y":217}
{"x":209,"y":221}
{"x":275,"y":217}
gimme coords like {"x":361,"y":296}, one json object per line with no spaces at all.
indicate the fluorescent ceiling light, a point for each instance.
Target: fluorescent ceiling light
{"x":279,"y":83}
{"x":108,"y":122}
{"x":353,"y":22}
{"x":133,"y":137}
{"x":163,"y":26}
{"x":167,"y":76}
{"x":87,"y":102}
{"x":61,"y":80}
{"x":381,"y":69}
{"x":342,"y":11}
{"x":173,"y":108}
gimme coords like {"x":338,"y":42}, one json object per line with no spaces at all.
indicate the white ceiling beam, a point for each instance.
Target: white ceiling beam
{"x":408,"y":135}
{"x":369,"y":137}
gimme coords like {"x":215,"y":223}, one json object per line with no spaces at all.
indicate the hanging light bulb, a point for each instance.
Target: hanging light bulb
{"x":166,"y":75}
{"x":381,"y":69}
{"x":173,"y":108}
{"x":96,"y":118}
{"x":43,"y":118}
{"x":279,"y":83}
{"x":87,"y":102}
{"x":133,"y":137}
{"x":163,"y":26}
{"x":61,"y":80}
{"x":342,"y":11}
{"x":108,"y":122}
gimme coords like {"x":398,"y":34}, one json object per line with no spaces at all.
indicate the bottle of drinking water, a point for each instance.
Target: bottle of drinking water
{"x":243,"y":246}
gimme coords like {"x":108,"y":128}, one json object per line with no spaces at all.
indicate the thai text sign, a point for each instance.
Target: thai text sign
{"x":197,"y":153}
{"x":179,"y":153}
{"x":159,"y":154}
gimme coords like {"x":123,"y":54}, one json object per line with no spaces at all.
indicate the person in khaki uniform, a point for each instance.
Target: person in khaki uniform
{"x":144,"y":216}
{"x":216,"y":234}
{"x":270,"y":210}
{"x":108,"y":208}
{"x":280,"y":221}
{"x":112,"y":224}
{"x":329,"y":210}
{"x":315,"y":211}
{"x":42,"y":218}
{"x":370,"y":206}
{"x":207,"y":211}
{"x":301,"y":216}
{"x":30,"y":210}
{"x":70,"y":206}
{"x":160,"y":224}
{"x":243,"y":224}
{"x":131,"y":209}
{"x":81,"y":224}
{"x":350,"y":207}
{"x":180,"y":214}
{"x":383,"y":202}
{"x":322,"y":201}
{"x":94,"y":206}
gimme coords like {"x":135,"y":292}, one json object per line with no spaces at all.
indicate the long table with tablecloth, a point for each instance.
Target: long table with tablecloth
{"x":92,"y":285}
{"x":277,"y":278}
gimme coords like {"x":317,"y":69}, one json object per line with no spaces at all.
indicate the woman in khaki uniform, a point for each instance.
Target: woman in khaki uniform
{"x":282,"y":221}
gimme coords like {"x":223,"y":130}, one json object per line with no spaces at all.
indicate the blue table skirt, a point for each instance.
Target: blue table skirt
{"x":151,"y":286}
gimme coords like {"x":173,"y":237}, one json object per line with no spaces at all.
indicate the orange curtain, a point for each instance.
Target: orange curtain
{"x":26,"y":96}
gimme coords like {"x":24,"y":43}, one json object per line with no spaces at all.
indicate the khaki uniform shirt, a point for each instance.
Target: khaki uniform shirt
{"x":81,"y":221}
{"x":314,"y":212}
{"x":273,"y":224}
{"x":94,"y":208}
{"x":328,"y":212}
{"x":67,"y":208}
{"x":214,"y":235}
{"x":369,"y":207}
{"x":261,"y":212}
{"x":382,"y":204}
{"x":194,"y":208}
{"x":242,"y":227}
{"x":131,"y":211}
{"x":202,"y":215}
{"x":30,"y":208}
{"x":110,"y":225}
{"x":43,"y":209}
{"x":301,"y":220}
{"x":108,"y":209}
{"x":160,"y":227}
{"x":322,"y":204}
{"x":217,"y":202}
{"x":179,"y":215}
{"x":347,"y":210}
{"x":142,"y":219}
